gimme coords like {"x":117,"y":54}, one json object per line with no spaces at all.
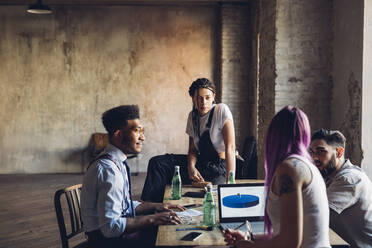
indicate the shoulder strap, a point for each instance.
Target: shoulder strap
{"x":209,"y":123}
{"x":109,"y":157}
{"x":105,"y":156}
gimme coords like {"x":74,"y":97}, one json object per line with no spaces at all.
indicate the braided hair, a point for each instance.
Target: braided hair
{"x":199,"y":83}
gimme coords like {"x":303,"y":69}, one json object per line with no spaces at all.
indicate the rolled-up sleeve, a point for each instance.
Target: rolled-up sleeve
{"x":109,"y":202}
{"x":135,"y":204}
{"x":224,"y":114}
{"x":343,"y":193}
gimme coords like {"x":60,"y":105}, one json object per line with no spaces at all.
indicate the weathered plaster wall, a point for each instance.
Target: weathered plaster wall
{"x":59,"y":72}
{"x":367,"y":90}
{"x":347,"y":74}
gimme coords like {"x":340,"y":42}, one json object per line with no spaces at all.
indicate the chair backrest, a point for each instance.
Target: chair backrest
{"x":72,"y":195}
{"x":248,"y":168}
{"x":97,"y":144}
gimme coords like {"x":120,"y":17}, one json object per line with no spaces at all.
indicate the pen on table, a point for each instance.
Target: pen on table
{"x":249,"y":229}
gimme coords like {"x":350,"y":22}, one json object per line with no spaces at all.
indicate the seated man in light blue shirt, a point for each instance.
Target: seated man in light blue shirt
{"x":110,"y":217}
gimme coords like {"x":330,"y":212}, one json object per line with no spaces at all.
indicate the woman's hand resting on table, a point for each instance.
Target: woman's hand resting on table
{"x":168,"y":207}
{"x":237,"y":238}
{"x":194,"y":174}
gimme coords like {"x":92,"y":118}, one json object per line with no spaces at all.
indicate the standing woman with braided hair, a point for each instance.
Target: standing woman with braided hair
{"x":211,"y":153}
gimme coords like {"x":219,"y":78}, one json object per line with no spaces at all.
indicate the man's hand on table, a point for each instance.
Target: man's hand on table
{"x":168,"y":207}
{"x":165,"y":218}
{"x":165,"y":214}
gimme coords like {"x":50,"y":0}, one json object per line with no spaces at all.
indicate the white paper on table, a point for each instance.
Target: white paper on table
{"x":189,"y":213}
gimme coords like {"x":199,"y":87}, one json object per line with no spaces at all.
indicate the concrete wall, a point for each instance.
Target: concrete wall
{"x":59,"y":72}
{"x":347,"y":74}
{"x":367,"y":89}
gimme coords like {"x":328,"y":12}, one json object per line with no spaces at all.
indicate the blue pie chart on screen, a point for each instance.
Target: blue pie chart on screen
{"x":240,"y":201}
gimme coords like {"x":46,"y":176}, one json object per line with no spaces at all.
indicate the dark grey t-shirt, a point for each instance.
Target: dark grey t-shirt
{"x":350,"y":200}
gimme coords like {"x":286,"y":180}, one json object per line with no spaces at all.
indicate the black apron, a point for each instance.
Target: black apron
{"x":161,"y":168}
{"x":209,"y":164}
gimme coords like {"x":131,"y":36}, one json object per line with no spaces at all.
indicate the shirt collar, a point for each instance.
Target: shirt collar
{"x":347,"y":162}
{"x":116,"y":152}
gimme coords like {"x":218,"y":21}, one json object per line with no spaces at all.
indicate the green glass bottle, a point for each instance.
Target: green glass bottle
{"x":231,"y":179}
{"x":209,"y":211}
{"x":176,"y":184}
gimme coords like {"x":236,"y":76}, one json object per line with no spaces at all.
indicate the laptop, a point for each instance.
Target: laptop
{"x":240,"y":202}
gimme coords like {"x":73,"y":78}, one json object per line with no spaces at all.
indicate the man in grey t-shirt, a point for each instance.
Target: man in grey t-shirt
{"x":349,"y":189}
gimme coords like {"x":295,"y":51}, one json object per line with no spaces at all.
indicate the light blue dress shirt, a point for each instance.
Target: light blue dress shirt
{"x":105,"y":198}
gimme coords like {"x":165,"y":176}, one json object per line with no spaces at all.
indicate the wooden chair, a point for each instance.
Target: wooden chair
{"x":97,"y":144}
{"x":72,"y":195}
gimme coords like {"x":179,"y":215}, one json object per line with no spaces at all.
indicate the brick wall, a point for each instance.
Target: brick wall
{"x":267,"y":75}
{"x":304,"y":58}
{"x":295,"y":62}
{"x":236,"y":88}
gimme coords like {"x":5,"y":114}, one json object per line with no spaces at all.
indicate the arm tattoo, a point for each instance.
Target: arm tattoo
{"x":286,"y":184}
{"x":300,"y":168}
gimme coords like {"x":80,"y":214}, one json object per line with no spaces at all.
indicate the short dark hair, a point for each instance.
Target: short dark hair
{"x":201,"y":83}
{"x":117,"y":118}
{"x":331,"y":137}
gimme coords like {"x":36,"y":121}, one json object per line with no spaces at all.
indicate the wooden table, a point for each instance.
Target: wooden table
{"x":168,"y":236}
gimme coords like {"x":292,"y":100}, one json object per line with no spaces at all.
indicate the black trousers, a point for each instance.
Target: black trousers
{"x":161,"y":170}
{"x":145,"y":238}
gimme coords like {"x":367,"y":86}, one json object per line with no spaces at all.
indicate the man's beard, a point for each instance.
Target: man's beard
{"x":329,"y":168}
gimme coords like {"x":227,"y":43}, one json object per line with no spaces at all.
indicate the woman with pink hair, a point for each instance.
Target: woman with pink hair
{"x":296,"y":213}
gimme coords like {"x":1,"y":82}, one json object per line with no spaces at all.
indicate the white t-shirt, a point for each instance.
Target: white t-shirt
{"x":350,"y":197}
{"x":221,"y":114}
{"x":315,"y":210}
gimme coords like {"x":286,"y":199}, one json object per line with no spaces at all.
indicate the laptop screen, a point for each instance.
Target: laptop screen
{"x":238,"y":202}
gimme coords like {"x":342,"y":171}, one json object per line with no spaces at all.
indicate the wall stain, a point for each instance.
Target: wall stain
{"x":294,"y":80}
{"x":68,"y":27}
{"x":28,"y":38}
{"x":351,"y":124}
{"x":68,"y":49}
{"x":185,"y":70}
{"x":133,"y":61}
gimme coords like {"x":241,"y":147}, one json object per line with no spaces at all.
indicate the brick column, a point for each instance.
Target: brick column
{"x":236,"y":89}
{"x":267,"y":76}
